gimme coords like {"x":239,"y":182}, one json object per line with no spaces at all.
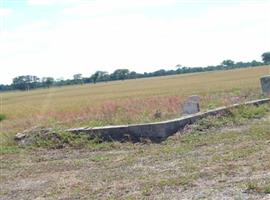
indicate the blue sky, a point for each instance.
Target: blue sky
{"x":60,"y":38}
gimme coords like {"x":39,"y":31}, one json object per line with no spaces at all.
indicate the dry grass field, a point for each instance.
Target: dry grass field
{"x":130,"y":101}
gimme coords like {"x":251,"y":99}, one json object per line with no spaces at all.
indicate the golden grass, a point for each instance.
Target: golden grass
{"x":67,"y":104}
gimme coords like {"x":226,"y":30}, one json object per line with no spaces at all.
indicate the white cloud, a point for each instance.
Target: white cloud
{"x":51,"y":2}
{"x":86,"y":8}
{"x":5,"y":12}
{"x":134,"y":41}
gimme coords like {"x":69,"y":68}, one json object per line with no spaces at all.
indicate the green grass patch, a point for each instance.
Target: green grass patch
{"x":7,"y":144}
{"x":261,"y":132}
{"x":267,"y":189}
{"x":235,"y":116}
{"x":184,"y":180}
{"x":99,"y":158}
{"x":258,"y":187}
{"x":9,"y":149}
{"x":251,"y":186}
{"x":249,"y":112}
{"x":2,"y":117}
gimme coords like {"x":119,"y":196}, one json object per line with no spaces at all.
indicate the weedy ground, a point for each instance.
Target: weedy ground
{"x":221,"y":157}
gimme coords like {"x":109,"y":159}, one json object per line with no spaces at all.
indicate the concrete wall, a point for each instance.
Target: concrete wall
{"x":157,"y":131}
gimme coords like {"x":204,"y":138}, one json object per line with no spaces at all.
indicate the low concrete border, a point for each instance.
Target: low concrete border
{"x":157,"y":131}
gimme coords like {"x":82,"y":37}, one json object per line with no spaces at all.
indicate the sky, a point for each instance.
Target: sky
{"x":60,"y":38}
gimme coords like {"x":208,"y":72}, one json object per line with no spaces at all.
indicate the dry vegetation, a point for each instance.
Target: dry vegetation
{"x":216,"y":158}
{"x":223,"y":157}
{"x":131,"y":101}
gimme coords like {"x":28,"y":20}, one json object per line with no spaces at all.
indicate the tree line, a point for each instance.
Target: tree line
{"x":28,"y":82}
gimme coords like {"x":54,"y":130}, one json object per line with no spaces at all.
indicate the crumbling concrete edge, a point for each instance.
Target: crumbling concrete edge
{"x":156,"y":131}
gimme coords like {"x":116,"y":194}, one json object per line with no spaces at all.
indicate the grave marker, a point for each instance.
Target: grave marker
{"x":191,"y":106}
{"x":265,"y":83}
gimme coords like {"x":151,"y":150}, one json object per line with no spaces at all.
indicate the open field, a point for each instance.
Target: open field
{"x":131,"y":101}
{"x":221,"y":157}
{"x":224,"y":157}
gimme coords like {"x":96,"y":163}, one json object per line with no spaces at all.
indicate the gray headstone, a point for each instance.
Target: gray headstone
{"x":194,"y":99}
{"x":191,"y":106}
{"x":265,"y":82}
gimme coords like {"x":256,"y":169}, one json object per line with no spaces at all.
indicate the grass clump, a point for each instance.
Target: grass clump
{"x":2,"y":117}
{"x":235,"y":116}
{"x":251,"y":186}
{"x":178,"y":181}
{"x":267,"y":189}
{"x":259,"y":188}
{"x":250,"y":112}
{"x":9,"y":149}
{"x":57,"y":138}
{"x":7,"y":144}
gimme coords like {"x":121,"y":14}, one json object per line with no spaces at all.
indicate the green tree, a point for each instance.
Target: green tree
{"x":120,"y":74}
{"x":266,"y":57}
{"x":227,"y":63}
{"x":100,"y":76}
{"x":77,"y":78}
{"x":47,"y":81}
{"x":26,"y":82}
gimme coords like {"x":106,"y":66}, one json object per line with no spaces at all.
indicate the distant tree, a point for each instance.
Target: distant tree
{"x":100,"y":76}
{"x":133,"y":75}
{"x":5,"y":87}
{"x":34,"y":82}
{"x":60,"y":81}
{"x":94,"y":77}
{"x":47,"y":81}
{"x":178,"y":66}
{"x":227,"y":63}
{"x":255,"y":63}
{"x":120,"y":74}
{"x":26,"y":82}
{"x":77,"y":78}
{"x":19,"y":83}
{"x":29,"y":82}
{"x":160,"y":72}
{"x":266,"y":57}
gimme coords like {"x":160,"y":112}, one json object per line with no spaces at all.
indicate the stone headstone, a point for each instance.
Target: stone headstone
{"x":265,"y":83}
{"x":192,"y":106}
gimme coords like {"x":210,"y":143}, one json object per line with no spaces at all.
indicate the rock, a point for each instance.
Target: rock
{"x":29,"y":136}
{"x":265,"y":83}
{"x":191,"y":106}
{"x":20,"y":136}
